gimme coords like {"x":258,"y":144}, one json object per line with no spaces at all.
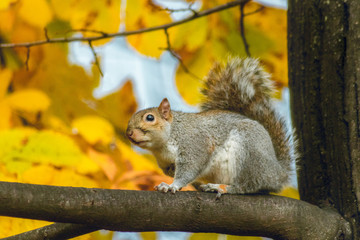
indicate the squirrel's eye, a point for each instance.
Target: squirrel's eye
{"x":150,"y":118}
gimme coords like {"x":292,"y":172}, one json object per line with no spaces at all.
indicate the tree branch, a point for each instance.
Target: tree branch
{"x":242,"y":29}
{"x":120,"y":210}
{"x":96,"y":60}
{"x":128,"y":33}
{"x":181,"y":9}
{"x":173,"y":53}
{"x":255,"y":11}
{"x":27,"y":58}
{"x":54,"y":231}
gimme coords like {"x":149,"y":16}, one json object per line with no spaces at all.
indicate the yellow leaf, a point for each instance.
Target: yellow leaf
{"x":5,"y":119}
{"x":4,"y":4}
{"x":42,"y":174}
{"x":36,"y":12}
{"x":50,"y":147}
{"x":289,"y":192}
{"x":98,"y":235}
{"x":29,"y":100}
{"x":199,"y":64}
{"x":148,"y":235}
{"x":86,"y":165}
{"x":66,"y":177}
{"x":94,"y":129}
{"x":191,"y":35}
{"x":118,"y":107}
{"x":13,"y":226}
{"x":17,"y":167}
{"x":150,"y":44}
{"x":7,"y":19}
{"x":207,"y":236}
{"x":5,"y":78}
{"x":62,"y":8}
{"x":143,"y":14}
{"x":101,"y":16}
{"x":57,"y":124}
{"x":49,"y":175}
{"x":24,"y":32}
{"x":6,"y":176}
{"x":45,"y":146}
{"x":137,"y":161}
{"x":68,"y":86}
{"x":12,"y":141}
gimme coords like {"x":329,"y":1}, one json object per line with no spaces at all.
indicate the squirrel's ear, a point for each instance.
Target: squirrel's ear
{"x":164,"y":109}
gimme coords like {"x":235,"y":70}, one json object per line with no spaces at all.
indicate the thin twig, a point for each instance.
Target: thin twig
{"x":255,"y":11}
{"x":27,"y":58}
{"x":181,"y":9}
{"x":128,"y":33}
{"x":46,"y":34}
{"x":95,"y":57}
{"x":242,"y":29}
{"x":104,"y":34}
{"x":173,"y":53}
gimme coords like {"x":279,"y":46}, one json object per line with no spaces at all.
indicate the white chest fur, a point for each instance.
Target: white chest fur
{"x":225,"y":162}
{"x":167,"y":155}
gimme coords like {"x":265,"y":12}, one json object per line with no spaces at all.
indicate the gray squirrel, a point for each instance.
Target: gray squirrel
{"x":237,"y":138}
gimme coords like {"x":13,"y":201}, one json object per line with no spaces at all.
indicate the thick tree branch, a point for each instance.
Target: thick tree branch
{"x":128,"y":33}
{"x":54,"y":231}
{"x":119,"y":210}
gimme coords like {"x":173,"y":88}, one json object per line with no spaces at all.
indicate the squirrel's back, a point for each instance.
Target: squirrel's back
{"x":243,"y":86}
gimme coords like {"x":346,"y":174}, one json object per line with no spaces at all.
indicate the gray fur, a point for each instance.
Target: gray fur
{"x":257,"y":169}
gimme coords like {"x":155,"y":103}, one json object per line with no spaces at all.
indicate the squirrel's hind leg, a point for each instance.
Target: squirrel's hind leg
{"x":237,"y":189}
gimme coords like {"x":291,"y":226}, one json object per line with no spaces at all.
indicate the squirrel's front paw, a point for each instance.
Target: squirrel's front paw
{"x":164,"y":187}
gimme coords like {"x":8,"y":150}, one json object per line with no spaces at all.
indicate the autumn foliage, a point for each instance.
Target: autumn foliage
{"x":54,"y":131}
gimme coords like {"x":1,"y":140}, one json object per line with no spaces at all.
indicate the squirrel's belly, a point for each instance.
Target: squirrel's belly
{"x":225,"y":163}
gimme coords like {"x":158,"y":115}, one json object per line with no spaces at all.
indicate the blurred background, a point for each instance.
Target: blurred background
{"x":64,"y":107}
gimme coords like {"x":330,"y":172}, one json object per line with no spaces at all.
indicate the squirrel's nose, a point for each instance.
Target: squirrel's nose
{"x":129,"y":133}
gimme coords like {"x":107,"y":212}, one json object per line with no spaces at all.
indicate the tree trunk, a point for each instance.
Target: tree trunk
{"x":324,"y":78}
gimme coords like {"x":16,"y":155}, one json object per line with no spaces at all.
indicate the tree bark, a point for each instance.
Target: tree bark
{"x":56,"y":231}
{"x":120,"y":210}
{"x":324,"y":75}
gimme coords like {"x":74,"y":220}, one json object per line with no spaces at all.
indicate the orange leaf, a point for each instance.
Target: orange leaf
{"x":105,"y":162}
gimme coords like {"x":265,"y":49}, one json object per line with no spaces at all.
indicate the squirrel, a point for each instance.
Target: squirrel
{"x":237,"y":139}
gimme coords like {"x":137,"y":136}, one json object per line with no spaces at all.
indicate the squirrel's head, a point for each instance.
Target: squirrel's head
{"x":150,"y":128}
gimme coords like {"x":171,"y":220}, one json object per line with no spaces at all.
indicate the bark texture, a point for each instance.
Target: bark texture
{"x":324,"y":78}
{"x":139,"y":211}
{"x":56,"y":231}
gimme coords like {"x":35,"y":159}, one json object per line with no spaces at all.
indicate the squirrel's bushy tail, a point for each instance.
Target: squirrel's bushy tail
{"x":243,"y":86}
